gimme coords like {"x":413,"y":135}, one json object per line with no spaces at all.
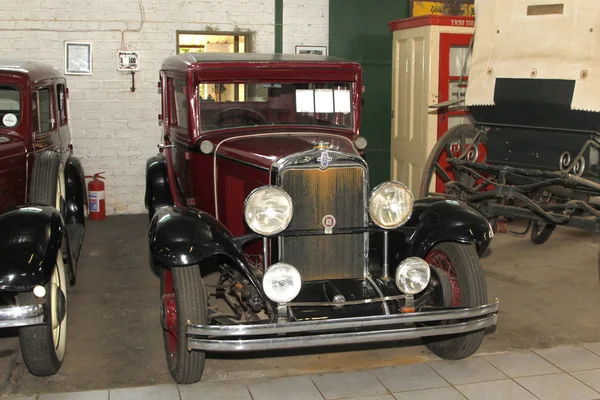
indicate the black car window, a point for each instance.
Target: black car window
{"x":181,"y":103}
{"x":46,"y":121}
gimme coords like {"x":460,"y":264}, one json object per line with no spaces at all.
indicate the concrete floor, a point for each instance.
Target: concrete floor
{"x":548,"y":296}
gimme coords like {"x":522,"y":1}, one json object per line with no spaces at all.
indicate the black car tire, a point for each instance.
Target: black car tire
{"x":185,"y":365}
{"x":46,"y":186}
{"x":541,"y":232}
{"x":43,"y":351}
{"x":468,"y":274}
{"x":44,"y":346}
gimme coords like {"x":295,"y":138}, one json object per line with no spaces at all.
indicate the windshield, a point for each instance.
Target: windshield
{"x":231,"y":105}
{"x":10,"y":106}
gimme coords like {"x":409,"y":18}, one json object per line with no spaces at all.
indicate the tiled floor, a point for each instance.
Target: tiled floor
{"x":561,"y":373}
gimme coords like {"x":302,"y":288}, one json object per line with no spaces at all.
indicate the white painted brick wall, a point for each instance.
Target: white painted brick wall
{"x":115,"y":130}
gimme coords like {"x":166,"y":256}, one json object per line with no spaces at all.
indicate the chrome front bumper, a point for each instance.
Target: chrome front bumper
{"x":11,"y":316}
{"x":327,"y":332}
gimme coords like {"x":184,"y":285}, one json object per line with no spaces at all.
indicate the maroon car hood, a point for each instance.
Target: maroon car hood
{"x":262,"y":150}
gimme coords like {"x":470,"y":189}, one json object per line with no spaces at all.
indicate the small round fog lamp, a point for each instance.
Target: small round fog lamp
{"x":282,"y":282}
{"x":39,"y":291}
{"x":412,"y":275}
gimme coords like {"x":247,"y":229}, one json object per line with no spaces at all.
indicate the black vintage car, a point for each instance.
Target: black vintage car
{"x":267,"y":236}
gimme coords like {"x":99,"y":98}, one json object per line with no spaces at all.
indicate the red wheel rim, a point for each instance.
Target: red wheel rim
{"x":440,"y":259}
{"x":170,"y":306}
{"x":443,"y":171}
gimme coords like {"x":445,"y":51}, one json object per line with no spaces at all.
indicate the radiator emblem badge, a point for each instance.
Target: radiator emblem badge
{"x":328,"y":223}
{"x":324,"y":159}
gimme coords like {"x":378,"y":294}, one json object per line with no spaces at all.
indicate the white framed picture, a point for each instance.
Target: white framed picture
{"x":316,"y":50}
{"x":78,"y":58}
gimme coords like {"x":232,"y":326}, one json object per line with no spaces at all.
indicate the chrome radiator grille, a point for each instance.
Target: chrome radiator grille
{"x":337,"y":191}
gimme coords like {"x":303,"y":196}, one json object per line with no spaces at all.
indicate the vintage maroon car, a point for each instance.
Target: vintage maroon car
{"x":42,"y":195}
{"x":265,"y":232}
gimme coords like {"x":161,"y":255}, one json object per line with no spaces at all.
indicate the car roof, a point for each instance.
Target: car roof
{"x":183,"y":61}
{"x":33,"y":69}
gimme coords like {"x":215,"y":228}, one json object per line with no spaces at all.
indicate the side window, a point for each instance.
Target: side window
{"x":45,"y":121}
{"x":181,"y":104}
{"x":34,"y":112}
{"x":61,"y":101}
{"x":171,"y":102}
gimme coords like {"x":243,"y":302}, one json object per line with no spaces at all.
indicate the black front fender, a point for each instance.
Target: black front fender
{"x":76,"y":196}
{"x":439,"y":220}
{"x":181,"y":236}
{"x":158,"y":192}
{"x":30,"y":239}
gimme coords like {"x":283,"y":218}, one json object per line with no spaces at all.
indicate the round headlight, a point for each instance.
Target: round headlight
{"x":391,"y":205}
{"x":282,"y":282}
{"x":360,"y":143}
{"x":412,"y":275}
{"x":268,"y":210}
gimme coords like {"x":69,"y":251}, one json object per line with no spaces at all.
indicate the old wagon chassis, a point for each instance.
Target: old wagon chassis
{"x":559,"y":214}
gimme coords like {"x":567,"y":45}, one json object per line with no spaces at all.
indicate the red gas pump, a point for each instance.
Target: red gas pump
{"x":96,"y":204}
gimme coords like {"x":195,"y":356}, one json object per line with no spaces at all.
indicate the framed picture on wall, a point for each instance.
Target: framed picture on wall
{"x":78,"y":58}
{"x":317,"y":50}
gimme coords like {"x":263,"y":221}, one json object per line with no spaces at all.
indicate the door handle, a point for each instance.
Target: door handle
{"x":162,"y":146}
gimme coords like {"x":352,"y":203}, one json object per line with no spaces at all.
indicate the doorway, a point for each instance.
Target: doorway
{"x":205,"y":42}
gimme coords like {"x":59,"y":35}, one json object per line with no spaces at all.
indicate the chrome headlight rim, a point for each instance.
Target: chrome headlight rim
{"x":295,"y":276}
{"x":408,"y":215}
{"x":407,"y":263}
{"x":286,"y":222}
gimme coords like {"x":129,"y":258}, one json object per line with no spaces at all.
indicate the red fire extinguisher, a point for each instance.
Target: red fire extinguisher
{"x":96,"y":205}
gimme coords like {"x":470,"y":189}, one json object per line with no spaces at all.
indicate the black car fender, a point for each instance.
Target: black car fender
{"x":76,"y":196}
{"x":440,"y":220}
{"x":31,"y":236}
{"x":182,"y":236}
{"x":158,"y":192}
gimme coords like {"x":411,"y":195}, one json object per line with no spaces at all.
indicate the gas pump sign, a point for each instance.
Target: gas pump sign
{"x":463,"y":8}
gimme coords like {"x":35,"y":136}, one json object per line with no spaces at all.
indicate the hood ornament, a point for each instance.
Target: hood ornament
{"x":324,"y":159}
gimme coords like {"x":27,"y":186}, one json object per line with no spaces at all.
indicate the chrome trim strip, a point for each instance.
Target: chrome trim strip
{"x":386,"y":266}
{"x":345,"y":303}
{"x":384,"y":305}
{"x":234,"y":345}
{"x":12,"y":316}
{"x":339,"y":323}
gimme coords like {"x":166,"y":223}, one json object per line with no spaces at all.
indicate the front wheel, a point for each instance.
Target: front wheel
{"x":183,"y":299}
{"x":43,"y":346}
{"x":467,"y":289}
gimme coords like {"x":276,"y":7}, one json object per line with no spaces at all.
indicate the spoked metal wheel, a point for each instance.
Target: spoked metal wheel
{"x":467,"y":288}
{"x":465,"y":142}
{"x":183,"y":300}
